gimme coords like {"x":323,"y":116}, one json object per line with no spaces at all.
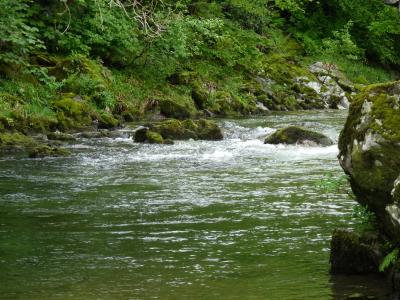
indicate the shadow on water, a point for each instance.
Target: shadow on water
{"x":367,"y":287}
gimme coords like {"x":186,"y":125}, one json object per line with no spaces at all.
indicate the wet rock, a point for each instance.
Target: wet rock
{"x":298,"y":135}
{"x":47,"y":151}
{"x":352,"y":253}
{"x":208,"y":130}
{"x":140,"y":135}
{"x":370,"y":153}
{"x":107,"y":121}
{"x":175,"y":130}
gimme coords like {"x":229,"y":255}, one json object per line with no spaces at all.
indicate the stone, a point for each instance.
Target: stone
{"x":297,"y":135}
{"x":370,"y":153}
{"x":172,"y":109}
{"x":154,"y":137}
{"x":140,"y":135}
{"x":209,"y":130}
{"x":352,"y":253}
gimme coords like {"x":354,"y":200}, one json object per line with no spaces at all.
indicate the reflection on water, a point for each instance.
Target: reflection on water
{"x":234,"y":219}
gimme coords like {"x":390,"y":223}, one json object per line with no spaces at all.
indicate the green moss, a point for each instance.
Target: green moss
{"x":107,"y":121}
{"x":72,"y":113}
{"x":15,"y":139}
{"x":294,"y":135}
{"x":172,"y":109}
{"x":175,"y":130}
{"x":384,"y":109}
{"x":208,"y":130}
{"x":154,"y":137}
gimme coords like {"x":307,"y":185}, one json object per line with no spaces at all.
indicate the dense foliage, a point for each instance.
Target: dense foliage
{"x":122,"y":53}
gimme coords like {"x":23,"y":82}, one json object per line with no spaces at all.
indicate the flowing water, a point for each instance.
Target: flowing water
{"x":234,"y":219}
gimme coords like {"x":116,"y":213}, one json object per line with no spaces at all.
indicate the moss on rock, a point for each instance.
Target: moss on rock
{"x":175,"y":130}
{"x":154,"y":137}
{"x":106,"y":121}
{"x":295,"y":135}
{"x":370,"y":152}
{"x":72,"y":112}
{"x":172,"y":109}
{"x":9,"y":140}
{"x":209,"y":130}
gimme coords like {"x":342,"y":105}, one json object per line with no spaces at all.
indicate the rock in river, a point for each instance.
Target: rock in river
{"x":370,"y":154}
{"x":297,"y":135}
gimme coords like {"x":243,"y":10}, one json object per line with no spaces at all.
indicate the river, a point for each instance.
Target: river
{"x":234,"y":219}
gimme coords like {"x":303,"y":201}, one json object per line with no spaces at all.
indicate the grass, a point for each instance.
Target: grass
{"x":358,"y":71}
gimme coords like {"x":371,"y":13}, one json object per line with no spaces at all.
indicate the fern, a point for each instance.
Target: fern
{"x":389,"y":260}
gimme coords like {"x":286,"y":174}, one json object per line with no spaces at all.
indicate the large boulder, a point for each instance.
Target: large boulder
{"x":298,"y":135}
{"x":370,"y":153}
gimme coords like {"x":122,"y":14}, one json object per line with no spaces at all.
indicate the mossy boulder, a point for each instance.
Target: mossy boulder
{"x":147,"y":135}
{"x":106,"y":121}
{"x":154,"y":137}
{"x":175,"y":130}
{"x":208,"y":130}
{"x":352,"y":253}
{"x":72,"y":112}
{"x":173,"y":109}
{"x":370,"y":153}
{"x":297,"y":135}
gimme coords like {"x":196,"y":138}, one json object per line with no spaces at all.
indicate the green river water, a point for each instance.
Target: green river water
{"x":234,"y":219}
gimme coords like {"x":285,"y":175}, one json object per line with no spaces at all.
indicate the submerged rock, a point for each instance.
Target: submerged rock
{"x":370,"y":154}
{"x":297,"y":135}
{"x":352,"y":253}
